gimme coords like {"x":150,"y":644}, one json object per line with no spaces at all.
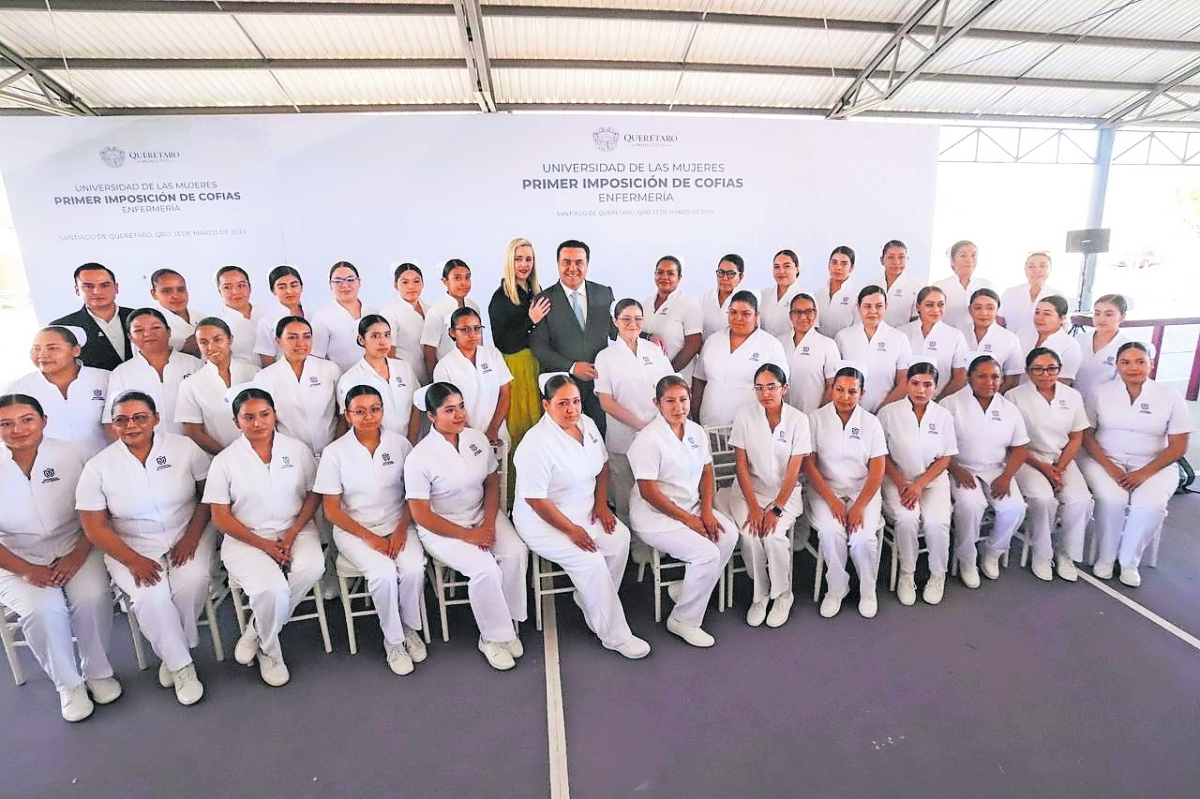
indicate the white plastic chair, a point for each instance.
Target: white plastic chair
{"x":10,"y":628}
{"x":812,"y":545}
{"x":985,"y":527}
{"x":352,"y":586}
{"x":217,"y":593}
{"x":241,"y":610}
{"x":1092,"y":545}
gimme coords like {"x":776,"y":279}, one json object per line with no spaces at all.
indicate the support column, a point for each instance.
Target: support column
{"x":1095,"y":218}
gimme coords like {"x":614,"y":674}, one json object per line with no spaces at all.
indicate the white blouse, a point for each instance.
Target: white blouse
{"x":630,"y":379}
{"x":984,"y":435}
{"x":39,"y":522}
{"x":335,"y":335}
{"x":1049,"y":424}
{"x":677,"y":318}
{"x":77,"y":417}
{"x":945,"y":346}
{"x":913,"y":444}
{"x":810,"y":363}
{"x":305,"y":408}
{"x":397,"y":391}
{"x":884,"y":354}
{"x":479,"y":382}
{"x":768,"y":449}
{"x":137,"y":374}
{"x":407,"y":326}
{"x":773,"y":313}
{"x":266,"y":497}
{"x":1133,"y":432}
{"x":675,"y":464}
{"x":451,"y":478}
{"x":552,"y":465}
{"x":844,"y":451}
{"x":371,"y":486}
{"x":202,"y":400}
{"x":1061,"y":342}
{"x":730,"y":375}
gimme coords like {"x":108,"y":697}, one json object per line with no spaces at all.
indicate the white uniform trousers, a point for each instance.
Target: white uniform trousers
{"x":863,"y":544}
{"x":168,"y":611}
{"x":930,"y":516}
{"x":273,"y":596}
{"x":1124,"y":537}
{"x":969,"y":507}
{"x":496,"y":579}
{"x":620,"y":483}
{"x":395,"y":585}
{"x":1072,"y":505}
{"x":768,"y":559}
{"x":705,"y":562}
{"x":596,"y":575}
{"x":50,"y":616}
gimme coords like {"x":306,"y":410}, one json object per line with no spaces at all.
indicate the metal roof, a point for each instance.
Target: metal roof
{"x":1092,"y":62}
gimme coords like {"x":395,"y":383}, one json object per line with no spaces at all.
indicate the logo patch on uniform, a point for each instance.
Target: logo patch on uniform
{"x":49,"y":475}
{"x":399,"y":382}
{"x":287,"y":462}
{"x":804,"y":350}
{"x":754,"y":357}
{"x":987,"y":347}
{"x":161,"y":460}
{"x":314,"y":381}
{"x":854,"y":433}
{"x":476,"y":450}
{"x":692,"y":441}
{"x":933,"y":428}
{"x":1145,"y":408}
{"x":593,"y":439}
{"x":387,"y":459}
{"x":846,"y":300}
{"x":1062,"y":403}
{"x":881,"y":346}
{"x":646,"y":360}
{"x":98,"y":395}
{"x":931,"y":345}
{"x":485,"y":368}
{"x":995,"y":415}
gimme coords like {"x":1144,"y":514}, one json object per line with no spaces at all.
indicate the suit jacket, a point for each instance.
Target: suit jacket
{"x":558,"y":342}
{"x":99,"y":352}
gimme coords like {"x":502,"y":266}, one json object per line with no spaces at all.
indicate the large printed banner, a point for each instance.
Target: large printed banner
{"x":194,"y":194}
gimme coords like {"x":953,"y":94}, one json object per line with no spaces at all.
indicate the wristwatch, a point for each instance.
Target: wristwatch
{"x":778,"y":511}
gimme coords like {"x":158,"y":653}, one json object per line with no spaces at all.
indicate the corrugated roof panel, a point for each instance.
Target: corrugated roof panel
{"x":969,"y":99}
{"x":37,"y":34}
{"x":809,"y":92}
{"x":990,"y":57}
{"x":370,"y":36}
{"x":595,"y":39}
{"x":173,"y":88}
{"x":739,"y":44}
{"x":1153,"y":19}
{"x":875,"y":10}
{"x":377,"y":86}
{"x":1111,"y":63}
{"x":708,"y":88}
{"x":583,"y":86}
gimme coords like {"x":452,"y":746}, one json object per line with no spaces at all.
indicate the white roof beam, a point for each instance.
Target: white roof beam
{"x":470,"y":23}
{"x":55,"y":98}
{"x":1143,"y":109}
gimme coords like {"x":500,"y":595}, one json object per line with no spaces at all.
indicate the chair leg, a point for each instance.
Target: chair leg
{"x":135,"y":632}
{"x":439,"y":579}
{"x":239,"y":604}
{"x":347,"y":610}
{"x":538,"y":599}
{"x":10,"y":649}
{"x":425,"y":620}
{"x":321,"y":620}
{"x":656,"y":567}
{"x":214,"y":630}
{"x":895,"y":577}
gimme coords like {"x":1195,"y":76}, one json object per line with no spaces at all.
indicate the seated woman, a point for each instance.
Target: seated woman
{"x":1139,"y":428}
{"x":844,"y":476}
{"x":202,"y":407}
{"x":302,"y":386}
{"x":155,"y":368}
{"x":393,"y":378}
{"x":916,"y":494}
{"x":671,"y":507}
{"x":260,"y":492}
{"x":453,"y":492}
{"x":361,"y":476}
{"x":992,"y":445}
{"x":480,"y":372}
{"x":139,"y":503}
{"x":562,"y":511}
{"x":723,"y":380}
{"x":1049,"y":315}
{"x":931,"y":338}
{"x":50,"y":574}
{"x":770,"y":440}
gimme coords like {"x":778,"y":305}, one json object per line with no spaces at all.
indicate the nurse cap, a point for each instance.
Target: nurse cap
{"x":916,"y":359}
{"x":974,"y":356}
{"x":419,"y":398}
{"x":232,"y":392}
{"x":545,"y":377}
{"x":78,"y":332}
{"x":858,"y":366}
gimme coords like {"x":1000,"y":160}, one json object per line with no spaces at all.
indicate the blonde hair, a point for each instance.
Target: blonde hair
{"x":509,"y":282}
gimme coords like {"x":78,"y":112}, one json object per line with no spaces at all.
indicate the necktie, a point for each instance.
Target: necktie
{"x":578,"y":309}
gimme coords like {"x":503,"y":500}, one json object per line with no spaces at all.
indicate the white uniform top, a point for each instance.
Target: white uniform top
{"x":264,"y":335}
{"x":945,"y":346}
{"x":479,"y":382}
{"x":958,"y":301}
{"x":630,"y":380}
{"x":914,"y":445}
{"x":844,"y":452}
{"x":76,"y":418}
{"x":265,"y":497}
{"x":397,"y":392}
{"x":1001,"y":344}
{"x":451,"y":478}
{"x":901,"y":299}
{"x":245,"y":331}
{"x":769,"y":449}
{"x":335,"y":335}
{"x":836,"y":313}
{"x":39,"y":522}
{"x":730,"y":375}
{"x":985,"y":436}
{"x":1062,"y":343}
{"x":436,"y":330}
{"x":305,"y":408}
{"x":1017,"y":310}
{"x":1049,"y":424}
{"x":180,"y":327}
{"x":138,"y":374}
{"x":676,"y":465}
{"x":677,"y":318}
{"x":714,"y":315}
{"x":407,"y":326}
{"x":1096,"y":368}
{"x":202,"y":400}
{"x":772,"y":313}
{"x":551,"y":465}
{"x":151,"y":503}
{"x":884,"y":354}
{"x":371,"y":486}
{"x":810,"y":363}
{"x":1135,"y":432}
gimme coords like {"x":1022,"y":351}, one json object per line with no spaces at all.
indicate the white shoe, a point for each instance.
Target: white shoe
{"x":398,"y":659}
{"x":273,"y":670}
{"x":104,"y":690}
{"x":969,"y":574}
{"x":675,"y":590}
{"x":934,"y":589}
{"x":75,"y":703}
{"x":634,"y":649}
{"x":164,"y":676}
{"x":692,"y":635}
{"x":247,"y":646}
{"x":1066,"y":568}
{"x":188,"y":689}
{"x":906,"y":589}
{"x":757,"y":614}
{"x":990,"y":566}
{"x":780,"y":610}
{"x":514,"y":646}
{"x":831,"y":604}
{"x":497,"y":655}
{"x":1103,"y":570}
{"x":1130,"y":577}
{"x":415,"y":645}
{"x":1043,"y":569}
{"x":868,"y":605}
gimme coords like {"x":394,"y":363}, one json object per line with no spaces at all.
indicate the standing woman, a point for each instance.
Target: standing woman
{"x":72,"y":395}
{"x":1048,"y":331}
{"x":1020,"y":301}
{"x":233,"y":284}
{"x":714,"y":305}
{"x":482,"y":373}
{"x":671,"y":507}
{"x":988,"y":337}
{"x":1050,"y":480}
{"x":335,"y":327}
{"x":883,"y":349}
{"x":723,"y":381}
{"x":933,"y":339}
{"x":406,"y":315}
{"x":435,"y":336}
{"x":50,"y":574}
{"x":1139,"y":429}
{"x":562,"y":511}
{"x":770,"y":440}
{"x":393,"y":378}
{"x":901,"y":290}
{"x":203,"y":408}
{"x":260,"y":492}
{"x":361,"y":476}
{"x":674,"y":317}
{"x":836,"y":302}
{"x":959,"y":287}
{"x":303,"y":387}
{"x":916,"y":494}
{"x":1099,"y":351}
{"x":139,"y":502}
{"x":812,"y":358}
{"x":453,"y":492}
{"x":844,"y":475}
{"x":288,"y":288}
{"x":155,"y":368}
{"x":776,"y":301}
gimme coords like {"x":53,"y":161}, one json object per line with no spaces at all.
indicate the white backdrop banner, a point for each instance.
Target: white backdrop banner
{"x":197,"y":193}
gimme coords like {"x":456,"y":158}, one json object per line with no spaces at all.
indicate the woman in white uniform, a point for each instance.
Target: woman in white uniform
{"x":1048,"y":331}
{"x":50,"y":574}
{"x":393,"y":378}
{"x":934,"y":340}
{"x":288,"y":287}
{"x":139,"y":502}
{"x":844,"y":478}
{"x":770,"y":440}
{"x":987,"y":337}
{"x":155,"y":368}
{"x":1099,"y":350}
{"x":361,"y":476}
{"x":406,"y":315}
{"x":992,"y":445}
{"x":901,"y":290}
{"x":916,"y":494}
{"x":72,"y":395}
{"x":1049,"y":479}
{"x":481,"y":374}
{"x":881,"y":348}
{"x":674,"y":317}
{"x":202,"y":407}
{"x":169,"y":291}
{"x":812,"y":358}
{"x":453,"y":492}
{"x":335,"y":327}
{"x":1139,"y":429}
{"x":723,"y":381}
{"x":562,"y":511}
{"x":962,"y":285}
{"x":260,"y":492}
{"x":671,"y":506}
{"x":435,"y":334}
{"x":233,"y":284}
{"x":627,"y":371}
{"x":1019,"y":301}
{"x":776,"y":301}
{"x":714,"y":304}
{"x":835,"y":302}
{"x":303,"y":387}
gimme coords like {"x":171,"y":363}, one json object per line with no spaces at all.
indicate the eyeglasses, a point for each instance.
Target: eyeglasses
{"x":343,"y":281}
{"x":475,"y":329}
{"x":138,"y":419}
{"x":359,"y":413}
{"x":727,"y":273}
{"x":1044,"y":370}
{"x":665,"y":273}
{"x":763,"y":388}
{"x":630,"y":320}
{"x":801,"y":312}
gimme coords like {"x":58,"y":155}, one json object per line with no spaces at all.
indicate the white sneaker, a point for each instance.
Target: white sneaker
{"x":692,"y":635}
{"x":1043,"y":569}
{"x":831,"y":604}
{"x":1131,"y":577}
{"x":1066,"y":568}
{"x":247,"y":646}
{"x":757,"y":614}
{"x":634,"y":649}
{"x":675,"y":590}
{"x":497,"y":655}
{"x":780,"y":610}
{"x":75,"y":703}
{"x":934,"y":589}
{"x":990,"y":566}
{"x":164,"y":676}
{"x":969,"y":574}
{"x":188,"y":689}
{"x":514,"y":646}
{"x":868,"y":605}
{"x":415,"y":645}
{"x":1103,"y":570}
{"x":906,"y":589}
{"x":273,"y":670}
{"x":398,"y":659}
{"x":104,"y":690}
